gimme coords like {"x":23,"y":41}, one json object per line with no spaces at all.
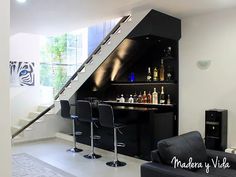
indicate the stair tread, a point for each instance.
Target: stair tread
{"x":19,"y":127}
{"x":29,"y":119}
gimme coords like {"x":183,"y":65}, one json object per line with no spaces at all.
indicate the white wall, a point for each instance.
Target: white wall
{"x":26,"y":48}
{"x":5,"y":139}
{"x":208,"y":37}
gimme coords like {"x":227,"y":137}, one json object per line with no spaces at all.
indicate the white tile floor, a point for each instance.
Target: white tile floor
{"x":53,"y":152}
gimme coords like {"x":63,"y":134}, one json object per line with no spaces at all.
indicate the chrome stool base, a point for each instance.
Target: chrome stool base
{"x":116,"y":164}
{"x":92,"y":156}
{"x":74,"y":150}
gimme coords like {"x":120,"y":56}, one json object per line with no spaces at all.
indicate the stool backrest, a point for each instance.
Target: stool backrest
{"x":106,"y":115}
{"x":65,"y":109}
{"x":84,"y":110}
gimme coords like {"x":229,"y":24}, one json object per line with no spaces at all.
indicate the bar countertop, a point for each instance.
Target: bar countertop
{"x":138,"y":106}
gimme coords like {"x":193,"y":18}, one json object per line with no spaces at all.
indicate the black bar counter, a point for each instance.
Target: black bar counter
{"x":146,"y":125}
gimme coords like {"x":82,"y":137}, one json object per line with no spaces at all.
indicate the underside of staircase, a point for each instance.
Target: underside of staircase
{"x":35,"y":131}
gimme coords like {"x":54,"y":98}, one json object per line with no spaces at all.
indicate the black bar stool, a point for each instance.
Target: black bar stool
{"x":85,"y":115}
{"x":65,"y":113}
{"x":106,"y":119}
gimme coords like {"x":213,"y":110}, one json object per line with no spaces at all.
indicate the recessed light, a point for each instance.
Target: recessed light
{"x":21,"y":1}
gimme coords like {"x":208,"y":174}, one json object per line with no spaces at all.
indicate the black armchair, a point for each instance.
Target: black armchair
{"x":183,"y":147}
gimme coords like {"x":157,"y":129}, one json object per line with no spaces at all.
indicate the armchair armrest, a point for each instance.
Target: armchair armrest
{"x":231,"y":158}
{"x":155,"y":157}
{"x":160,"y":170}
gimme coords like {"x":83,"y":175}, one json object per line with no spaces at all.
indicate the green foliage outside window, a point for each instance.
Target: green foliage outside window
{"x":53,"y":73}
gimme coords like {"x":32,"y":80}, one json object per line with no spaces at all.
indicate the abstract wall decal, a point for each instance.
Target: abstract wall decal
{"x":22,"y":74}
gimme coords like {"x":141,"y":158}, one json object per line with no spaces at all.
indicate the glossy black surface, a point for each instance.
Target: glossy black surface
{"x":216,"y":125}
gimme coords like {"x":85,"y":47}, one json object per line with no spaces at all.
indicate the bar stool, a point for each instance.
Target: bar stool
{"x":85,"y":115}
{"x":65,"y":113}
{"x":106,"y":119}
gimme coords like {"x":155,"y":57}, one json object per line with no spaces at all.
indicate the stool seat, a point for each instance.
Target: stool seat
{"x":65,"y":113}
{"x":85,"y":115}
{"x":106,"y":119}
{"x":74,"y":117}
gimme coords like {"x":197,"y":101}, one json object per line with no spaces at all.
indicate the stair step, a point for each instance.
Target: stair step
{"x":23,"y":122}
{"x":15,"y":128}
{"x":19,"y":127}
{"x":33,"y":115}
{"x":41,"y":108}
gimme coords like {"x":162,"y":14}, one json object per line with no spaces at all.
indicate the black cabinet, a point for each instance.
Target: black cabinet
{"x":216,"y":129}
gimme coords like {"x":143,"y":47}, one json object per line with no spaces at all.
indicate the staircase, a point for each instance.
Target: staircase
{"x":106,"y":49}
{"x":50,"y":123}
{"x":87,"y":69}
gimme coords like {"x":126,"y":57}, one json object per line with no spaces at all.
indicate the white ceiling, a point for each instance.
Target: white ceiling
{"x":57,"y":16}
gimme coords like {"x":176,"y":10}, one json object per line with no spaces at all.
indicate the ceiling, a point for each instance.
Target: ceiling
{"x":58,"y":16}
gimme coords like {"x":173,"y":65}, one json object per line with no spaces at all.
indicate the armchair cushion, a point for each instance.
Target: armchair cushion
{"x":183,"y":147}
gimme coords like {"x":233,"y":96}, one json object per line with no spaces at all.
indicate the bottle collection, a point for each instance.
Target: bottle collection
{"x":144,"y":97}
{"x":159,"y":74}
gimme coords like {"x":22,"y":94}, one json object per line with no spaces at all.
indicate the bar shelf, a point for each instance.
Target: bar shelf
{"x":171,"y":82}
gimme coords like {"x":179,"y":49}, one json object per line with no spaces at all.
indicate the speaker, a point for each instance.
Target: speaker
{"x":216,"y":123}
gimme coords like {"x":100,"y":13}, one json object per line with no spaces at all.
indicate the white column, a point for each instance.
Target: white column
{"x":5,"y":139}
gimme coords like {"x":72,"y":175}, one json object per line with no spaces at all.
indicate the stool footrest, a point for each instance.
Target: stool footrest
{"x":78,"y":133}
{"x":96,"y":137}
{"x":121,"y":144}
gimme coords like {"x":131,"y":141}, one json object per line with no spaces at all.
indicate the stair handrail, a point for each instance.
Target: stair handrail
{"x":88,"y":60}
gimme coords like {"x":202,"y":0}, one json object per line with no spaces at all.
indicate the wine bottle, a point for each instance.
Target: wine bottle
{"x":154,"y":97}
{"x":162,"y":96}
{"x":167,"y":52}
{"x":155,"y":74}
{"x":149,"y":97}
{"x":118,"y":98}
{"x":131,"y":99}
{"x":140,"y":98}
{"x":162,"y":71}
{"x":169,"y":73}
{"x":135,"y":98}
{"x":168,"y":99}
{"x":122,"y":99}
{"x":144,"y":97}
{"x":149,"y":75}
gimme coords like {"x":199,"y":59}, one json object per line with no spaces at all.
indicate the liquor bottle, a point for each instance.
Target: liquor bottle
{"x":162,"y":96}
{"x":154,"y":97}
{"x":155,"y":74}
{"x":135,"y":98}
{"x":149,"y":75}
{"x":118,"y":98}
{"x":140,"y":98}
{"x":131,"y":99}
{"x":149,"y":97}
{"x":122,"y":99}
{"x":167,"y":52}
{"x":168,"y":99}
{"x":169,"y":73}
{"x":162,"y":71}
{"x":144,"y":97}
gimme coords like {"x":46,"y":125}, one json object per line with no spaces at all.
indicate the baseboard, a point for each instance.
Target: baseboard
{"x":19,"y":141}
